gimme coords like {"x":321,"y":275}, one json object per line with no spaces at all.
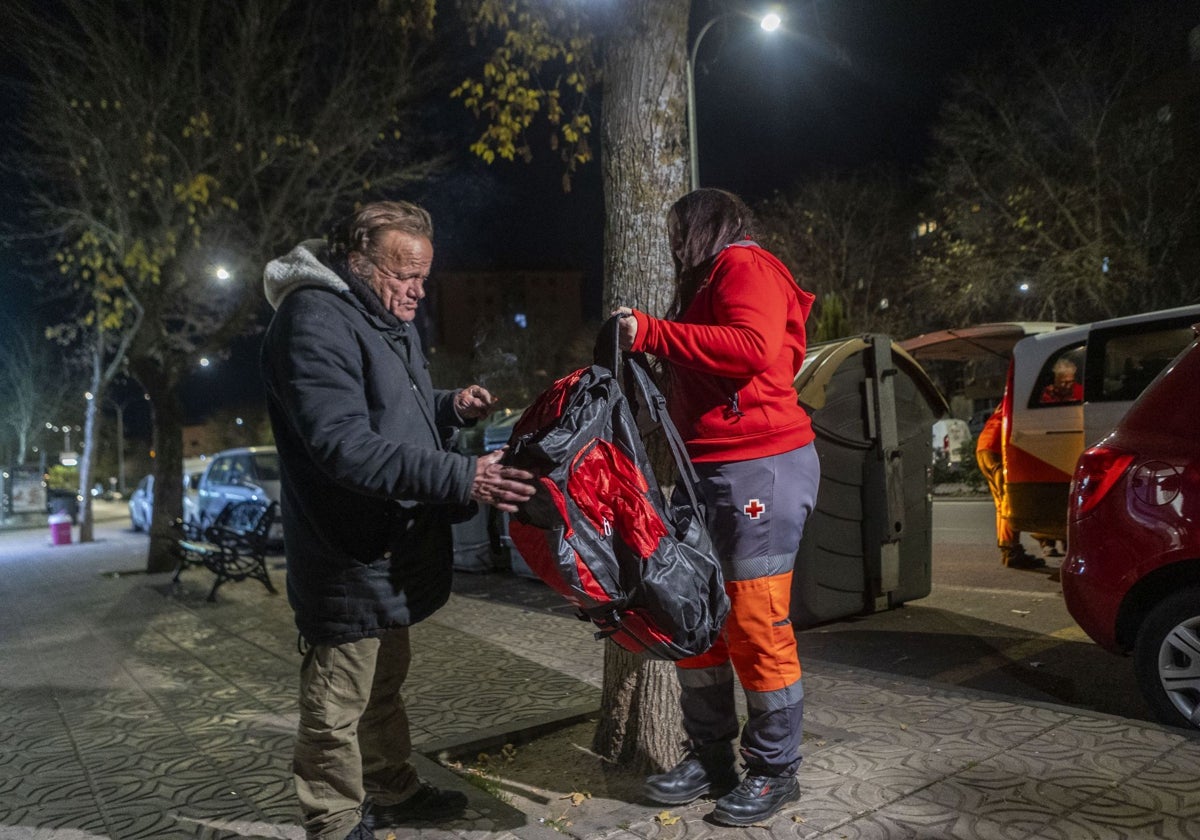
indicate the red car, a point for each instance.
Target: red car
{"x":1132,"y":574}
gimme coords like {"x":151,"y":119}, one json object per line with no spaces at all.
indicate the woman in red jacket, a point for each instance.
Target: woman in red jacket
{"x":734,"y":343}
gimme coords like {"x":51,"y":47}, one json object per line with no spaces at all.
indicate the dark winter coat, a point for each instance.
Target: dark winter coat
{"x":368,"y":486}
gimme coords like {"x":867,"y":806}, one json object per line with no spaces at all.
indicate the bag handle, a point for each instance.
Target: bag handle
{"x":606,"y":353}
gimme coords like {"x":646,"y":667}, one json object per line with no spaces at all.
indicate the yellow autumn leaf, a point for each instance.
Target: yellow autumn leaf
{"x":665,"y":818}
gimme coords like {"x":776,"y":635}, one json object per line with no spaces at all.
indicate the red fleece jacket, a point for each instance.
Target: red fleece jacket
{"x":734,"y":354}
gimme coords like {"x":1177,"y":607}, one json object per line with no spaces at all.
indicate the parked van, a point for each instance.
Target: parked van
{"x":1066,"y":390}
{"x":970,"y":367}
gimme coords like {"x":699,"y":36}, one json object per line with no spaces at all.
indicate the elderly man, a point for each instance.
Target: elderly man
{"x":369,"y":490}
{"x":1064,"y":388}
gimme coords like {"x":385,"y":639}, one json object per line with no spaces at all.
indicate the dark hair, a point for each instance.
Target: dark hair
{"x":361,"y":231}
{"x":703,"y":222}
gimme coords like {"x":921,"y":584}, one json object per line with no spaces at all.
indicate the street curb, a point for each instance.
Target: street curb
{"x":454,"y":748}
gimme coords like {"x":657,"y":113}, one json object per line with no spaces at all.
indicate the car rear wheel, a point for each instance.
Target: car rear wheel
{"x":1167,"y":659}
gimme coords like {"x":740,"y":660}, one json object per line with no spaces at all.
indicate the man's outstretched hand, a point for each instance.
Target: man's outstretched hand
{"x":474,"y":402}
{"x":504,"y":488}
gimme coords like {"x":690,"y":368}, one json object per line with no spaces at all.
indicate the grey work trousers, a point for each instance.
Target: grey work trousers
{"x":353,"y":741}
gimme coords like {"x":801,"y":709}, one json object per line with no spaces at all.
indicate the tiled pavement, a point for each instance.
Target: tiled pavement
{"x":133,"y":709}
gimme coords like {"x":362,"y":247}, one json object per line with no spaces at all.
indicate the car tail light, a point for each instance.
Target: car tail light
{"x":1098,"y":470}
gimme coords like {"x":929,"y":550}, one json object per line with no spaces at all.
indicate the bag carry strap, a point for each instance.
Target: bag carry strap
{"x":637,"y":370}
{"x":607,"y":354}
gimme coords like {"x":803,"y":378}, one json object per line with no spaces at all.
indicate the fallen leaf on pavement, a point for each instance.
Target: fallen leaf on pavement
{"x":665,"y":818}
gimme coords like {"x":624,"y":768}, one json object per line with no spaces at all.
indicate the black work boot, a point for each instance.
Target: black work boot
{"x":427,"y":804}
{"x":1016,"y":557}
{"x":709,"y":768}
{"x":756,"y":799}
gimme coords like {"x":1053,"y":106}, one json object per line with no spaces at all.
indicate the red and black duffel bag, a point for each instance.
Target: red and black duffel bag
{"x":599,"y":530}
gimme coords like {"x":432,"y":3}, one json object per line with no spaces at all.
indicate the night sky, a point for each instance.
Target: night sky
{"x":847,"y":83}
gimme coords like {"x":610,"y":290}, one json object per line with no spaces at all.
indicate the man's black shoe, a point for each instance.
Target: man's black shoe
{"x":428,"y":803}
{"x":756,"y":799}
{"x":709,"y":769}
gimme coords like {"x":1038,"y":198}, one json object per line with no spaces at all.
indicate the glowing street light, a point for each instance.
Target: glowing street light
{"x":223,"y":273}
{"x":769,"y":22}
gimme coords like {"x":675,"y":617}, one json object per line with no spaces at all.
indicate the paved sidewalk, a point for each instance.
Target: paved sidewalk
{"x":131,"y":708}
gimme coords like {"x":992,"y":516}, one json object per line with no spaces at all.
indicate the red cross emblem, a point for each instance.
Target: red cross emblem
{"x":754,"y":509}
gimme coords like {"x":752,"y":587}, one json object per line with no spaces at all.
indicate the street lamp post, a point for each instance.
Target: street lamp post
{"x":769,"y":22}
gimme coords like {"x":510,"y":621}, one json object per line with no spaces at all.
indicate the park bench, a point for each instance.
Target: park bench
{"x":233,"y":547}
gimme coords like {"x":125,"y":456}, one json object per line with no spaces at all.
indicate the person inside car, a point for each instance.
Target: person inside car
{"x":1065,"y":388}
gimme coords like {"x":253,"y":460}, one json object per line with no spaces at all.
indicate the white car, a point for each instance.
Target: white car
{"x":949,"y":435}
{"x":141,"y":501}
{"x":236,"y":475}
{"x":141,"y":504}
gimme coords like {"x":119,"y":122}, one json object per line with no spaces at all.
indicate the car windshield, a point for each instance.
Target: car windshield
{"x":266,"y":465}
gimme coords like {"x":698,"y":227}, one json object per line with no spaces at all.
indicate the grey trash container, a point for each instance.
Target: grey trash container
{"x":495,"y":436}
{"x":473,"y":545}
{"x":868,"y":544}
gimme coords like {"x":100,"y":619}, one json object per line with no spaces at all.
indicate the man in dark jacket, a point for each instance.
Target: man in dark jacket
{"x":369,"y":489}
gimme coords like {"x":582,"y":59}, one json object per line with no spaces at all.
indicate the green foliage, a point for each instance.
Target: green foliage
{"x":831,"y":319}
{"x":543,"y":66}
{"x":181,"y":145}
{"x":968,"y":467}
{"x":165,"y":140}
{"x":966,"y":471}
{"x":59,"y":477}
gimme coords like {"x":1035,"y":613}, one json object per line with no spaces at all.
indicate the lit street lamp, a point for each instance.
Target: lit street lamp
{"x":769,"y":23}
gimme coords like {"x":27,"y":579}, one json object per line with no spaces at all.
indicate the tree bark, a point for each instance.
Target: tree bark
{"x":644,"y":163}
{"x":640,"y":727}
{"x":167,"y":412}
{"x":643,"y":150}
{"x":87,"y":458}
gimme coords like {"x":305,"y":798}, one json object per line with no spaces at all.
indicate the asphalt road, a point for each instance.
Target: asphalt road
{"x":984,"y":626}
